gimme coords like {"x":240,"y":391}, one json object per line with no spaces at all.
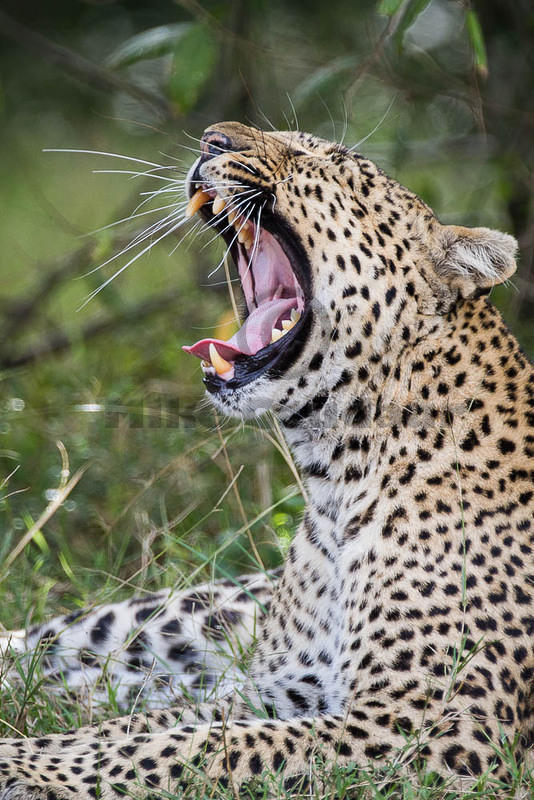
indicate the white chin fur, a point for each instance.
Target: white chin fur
{"x":250,"y":401}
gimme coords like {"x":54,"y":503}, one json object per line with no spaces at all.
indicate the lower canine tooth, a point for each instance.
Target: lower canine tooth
{"x":220,"y":364}
{"x":218,"y":205}
{"x":197,"y":201}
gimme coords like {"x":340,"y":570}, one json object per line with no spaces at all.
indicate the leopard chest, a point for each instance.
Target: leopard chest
{"x":316,"y":614}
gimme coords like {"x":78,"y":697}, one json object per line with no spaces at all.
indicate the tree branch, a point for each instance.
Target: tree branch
{"x":20,"y":312}
{"x":61,"y":341}
{"x":80,"y":67}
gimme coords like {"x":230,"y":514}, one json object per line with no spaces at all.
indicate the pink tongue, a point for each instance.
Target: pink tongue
{"x":252,"y":336}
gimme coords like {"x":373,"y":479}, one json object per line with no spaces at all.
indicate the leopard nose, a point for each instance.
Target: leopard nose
{"x":213,"y":143}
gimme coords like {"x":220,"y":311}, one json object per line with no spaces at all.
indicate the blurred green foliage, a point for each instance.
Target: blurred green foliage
{"x":437,"y":92}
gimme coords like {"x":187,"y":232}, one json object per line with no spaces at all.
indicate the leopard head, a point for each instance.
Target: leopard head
{"x":341,"y":267}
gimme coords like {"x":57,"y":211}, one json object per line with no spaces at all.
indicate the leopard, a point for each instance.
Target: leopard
{"x":401,"y":625}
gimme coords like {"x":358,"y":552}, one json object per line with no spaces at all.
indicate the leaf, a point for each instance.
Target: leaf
{"x":476,"y":38}
{"x":193,"y":62}
{"x":151,"y":43}
{"x":413,"y":9}
{"x":320,"y":78}
{"x":389,"y":7}
{"x":66,"y":566}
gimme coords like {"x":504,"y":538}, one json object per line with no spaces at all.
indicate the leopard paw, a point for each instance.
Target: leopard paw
{"x":20,"y":791}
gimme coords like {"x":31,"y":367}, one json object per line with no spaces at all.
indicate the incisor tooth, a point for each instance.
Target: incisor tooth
{"x":231,"y":216}
{"x":287,"y":324}
{"x":218,"y":205}
{"x":221,"y":366}
{"x":276,"y":334}
{"x":197,"y":201}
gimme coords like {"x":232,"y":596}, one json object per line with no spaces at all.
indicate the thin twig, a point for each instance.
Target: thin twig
{"x":237,"y":496}
{"x":20,"y":312}
{"x":62,"y":494}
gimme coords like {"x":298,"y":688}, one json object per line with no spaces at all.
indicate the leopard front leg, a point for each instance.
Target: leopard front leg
{"x":157,"y":648}
{"x":119,"y":727}
{"x":221,"y":753}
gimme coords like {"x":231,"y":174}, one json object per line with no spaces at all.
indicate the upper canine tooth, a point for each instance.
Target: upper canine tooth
{"x":221,"y":366}
{"x":244,"y":234}
{"x":197,"y":201}
{"x":218,"y":205}
{"x":249,"y":240}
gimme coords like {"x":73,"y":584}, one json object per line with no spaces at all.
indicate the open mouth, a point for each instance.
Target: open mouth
{"x":274,"y":280}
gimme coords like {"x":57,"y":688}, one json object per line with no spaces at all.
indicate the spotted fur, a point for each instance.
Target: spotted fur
{"x":406,"y":604}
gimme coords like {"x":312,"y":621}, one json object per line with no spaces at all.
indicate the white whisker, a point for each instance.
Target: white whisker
{"x":377,"y":126}
{"x":293,"y":110}
{"x":173,"y":158}
{"x":174,"y":186}
{"x":98,"y":153}
{"x":220,"y":283}
{"x":152,"y":195}
{"x":266,"y":118}
{"x":155,"y":227}
{"x":196,"y":139}
{"x":127,"y":219}
{"x":256,"y":242}
{"x":284,"y":180}
{"x":256,"y":236}
{"x":170,"y":187}
{"x":231,"y":243}
{"x":193,"y":229}
{"x":134,"y":174}
{"x":249,"y":169}
{"x":231,"y":207}
{"x":195,"y":150}
{"x":131,"y":261}
{"x":289,"y":128}
{"x":151,"y":230}
{"x":345,"y":120}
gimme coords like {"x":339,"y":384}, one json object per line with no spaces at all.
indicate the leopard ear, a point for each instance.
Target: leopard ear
{"x":474,"y":259}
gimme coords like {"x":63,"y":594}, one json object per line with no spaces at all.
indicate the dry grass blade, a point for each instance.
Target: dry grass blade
{"x":59,"y":498}
{"x":233,"y":478}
